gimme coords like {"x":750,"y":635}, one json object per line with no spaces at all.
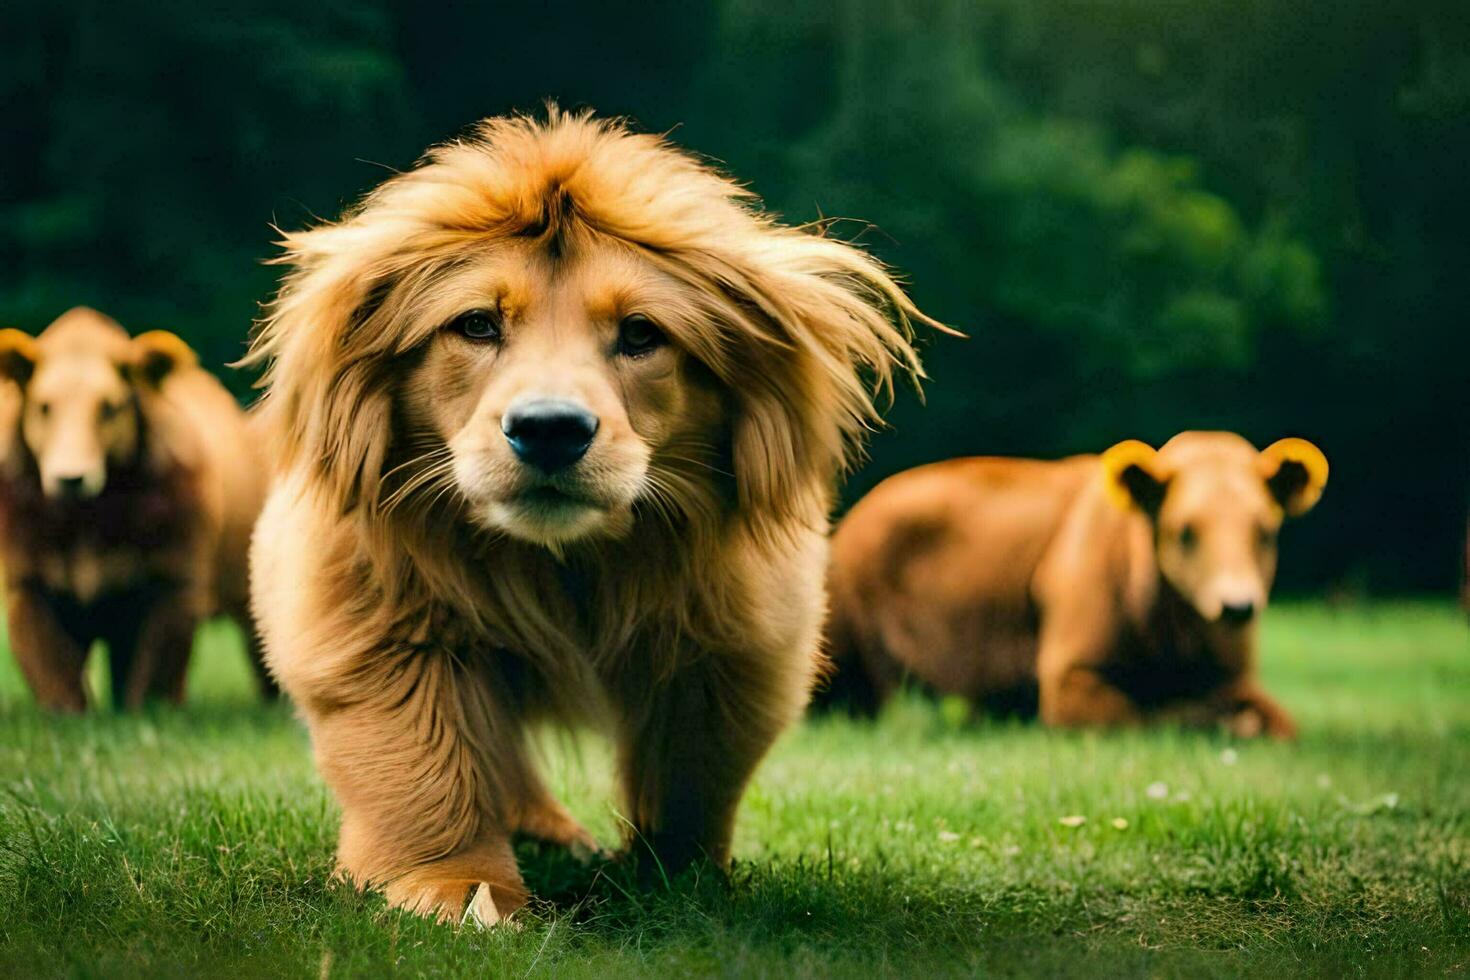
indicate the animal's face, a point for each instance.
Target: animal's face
{"x":557,"y":387}
{"x":557,"y":328}
{"x":80,"y":385}
{"x":79,"y":419}
{"x":1216,"y":506}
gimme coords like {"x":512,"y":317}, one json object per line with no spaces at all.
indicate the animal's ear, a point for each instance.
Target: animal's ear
{"x":1295,"y":472}
{"x":17,"y":355}
{"x":327,"y":341}
{"x":821,"y":331}
{"x":1133,"y":476}
{"x":157,"y":354}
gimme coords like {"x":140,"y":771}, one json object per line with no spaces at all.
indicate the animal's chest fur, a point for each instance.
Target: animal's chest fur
{"x":604,"y":619}
{"x":135,"y":530}
{"x":1167,"y":661}
{"x":567,"y":634}
{"x":85,"y":572}
{"x":554,"y":647}
{"x":1163,"y":677}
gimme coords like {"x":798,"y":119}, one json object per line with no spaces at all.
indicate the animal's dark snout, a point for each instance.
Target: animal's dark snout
{"x":70,"y":487}
{"x":549,"y":434}
{"x":1238,"y":613}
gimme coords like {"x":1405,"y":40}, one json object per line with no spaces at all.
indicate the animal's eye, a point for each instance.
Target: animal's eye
{"x":1266,"y":536}
{"x":107,"y":410}
{"x":638,"y":335}
{"x":45,"y":408}
{"x":1188,"y":537}
{"x":480,"y":325}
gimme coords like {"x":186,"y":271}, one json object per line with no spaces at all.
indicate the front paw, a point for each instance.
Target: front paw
{"x":483,"y":912}
{"x":659,"y":858}
{"x":446,"y":901}
{"x":479,"y":885}
{"x":554,"y":825}
{"x":1280,"y":726}
{"x":586,"y":849}
{"x":1254,"y":721}
{"x":1246,"y":723}
{"x":454,"y":900}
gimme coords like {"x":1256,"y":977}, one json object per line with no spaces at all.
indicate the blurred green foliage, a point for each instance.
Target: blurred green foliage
{"x":1147,"y":216}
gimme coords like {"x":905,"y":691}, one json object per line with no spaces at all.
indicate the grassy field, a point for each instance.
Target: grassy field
{"x":198,"y":841}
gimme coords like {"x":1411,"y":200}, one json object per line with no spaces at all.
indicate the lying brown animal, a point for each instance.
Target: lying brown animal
{"x":128,"y":489}
{"x":1113,"y":588}
{"x":561,"y":415}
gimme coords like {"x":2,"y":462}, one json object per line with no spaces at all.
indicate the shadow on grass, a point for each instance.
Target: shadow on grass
{"x":205,"y":894}
{"x":228,"y":877}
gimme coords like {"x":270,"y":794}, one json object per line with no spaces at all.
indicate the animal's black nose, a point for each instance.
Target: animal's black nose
{"x":70,"y":486}
{"x":548,"y":433}
{"x":1237,"y":613}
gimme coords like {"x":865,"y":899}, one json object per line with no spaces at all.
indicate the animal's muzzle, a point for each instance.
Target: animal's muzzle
{"x":70,"y":487}
{"x":1237,"y":613}
{"x":549,"y":434}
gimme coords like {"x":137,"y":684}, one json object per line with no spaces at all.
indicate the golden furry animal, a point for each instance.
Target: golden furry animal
{"x":1113,"y":588}
{"x":128,"y":489}
{"x":560,"y":415}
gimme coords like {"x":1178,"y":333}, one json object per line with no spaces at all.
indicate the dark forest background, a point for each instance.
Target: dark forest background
{"x":1147,"y":215}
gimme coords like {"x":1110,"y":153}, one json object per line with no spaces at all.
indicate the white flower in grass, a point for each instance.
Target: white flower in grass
{"x":1157,"y":791}
{"x":948,"y":836}
{"x":1120,"y":823}
{"x":1323,"y":780}
{"x":1230,"y":757}
{"x":1075,"y":820}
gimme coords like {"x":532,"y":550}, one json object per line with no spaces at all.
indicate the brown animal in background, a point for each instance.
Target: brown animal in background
{"x":1112,"y":588}
{"x":128,"y":489}
{"x":561,"y":415}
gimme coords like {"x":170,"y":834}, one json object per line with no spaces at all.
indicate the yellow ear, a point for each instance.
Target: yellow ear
{"x":1132,"y":476}
{"x":158,"y":353}
{"x":1295,"y":472}
{"x":17,"y":355}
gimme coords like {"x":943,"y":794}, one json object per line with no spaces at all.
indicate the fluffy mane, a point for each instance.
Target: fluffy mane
{"x":804,"y":330}
{"x":421,"y":640}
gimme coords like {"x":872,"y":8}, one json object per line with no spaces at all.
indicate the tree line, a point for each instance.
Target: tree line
{"x":1145,"y":216}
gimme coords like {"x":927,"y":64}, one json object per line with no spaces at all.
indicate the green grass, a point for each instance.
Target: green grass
{"x":198,"y":841}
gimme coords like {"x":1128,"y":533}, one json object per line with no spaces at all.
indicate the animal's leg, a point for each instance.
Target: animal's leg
{"x":120,"y":651}
{"x":543,"y":817}
{"x":254,"y":652}
{"x":478,"y":883}
{"x":152,"y":658}
{"x":853,"y":679}
{"x":51,"y":656}
{"x":1077,"y":696}
{"x":1077,"y":635}
{"x":1254,"y":712}
{"x":690,"y":743}
{"x":118,"y":622}
{"x":429,"y":768}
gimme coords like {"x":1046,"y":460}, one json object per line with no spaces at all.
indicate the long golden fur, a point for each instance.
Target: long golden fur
{"x":425,"y":596}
